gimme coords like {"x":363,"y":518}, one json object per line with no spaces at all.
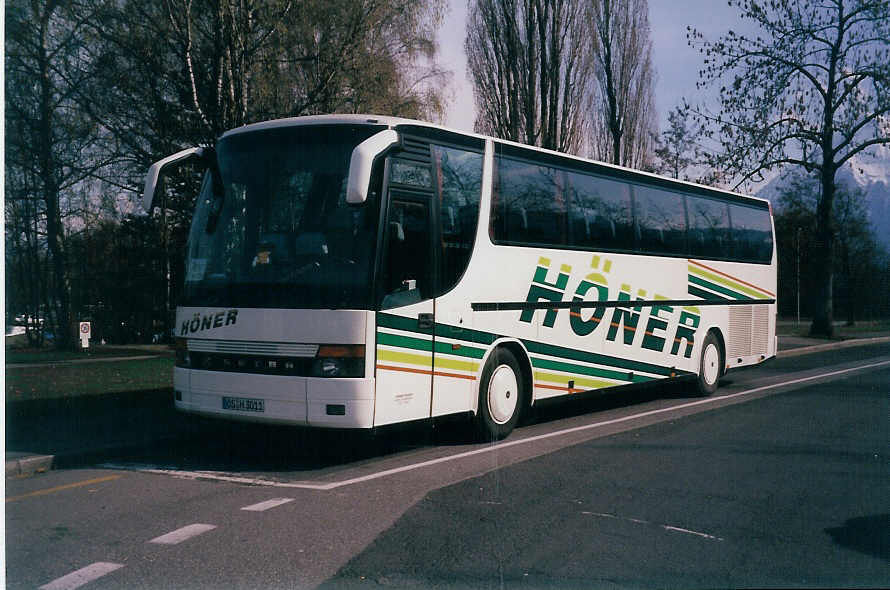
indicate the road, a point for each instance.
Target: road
{"x":781,"y":479}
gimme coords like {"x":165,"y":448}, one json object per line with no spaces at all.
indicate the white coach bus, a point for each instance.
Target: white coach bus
{"x":357,"y":271}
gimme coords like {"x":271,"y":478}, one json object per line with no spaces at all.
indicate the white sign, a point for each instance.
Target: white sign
{"x":84,"y":334}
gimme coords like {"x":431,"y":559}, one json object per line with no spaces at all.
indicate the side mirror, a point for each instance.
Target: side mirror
{"x":154,"y":173}
{"x":362,"y":161}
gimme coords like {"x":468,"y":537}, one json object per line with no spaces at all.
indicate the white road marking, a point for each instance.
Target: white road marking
{"x":262,"y":506}
{"x":666,"y":527}
{"x":82,"y":576}
{"x":687,"y":531}
{"x":216,"y":476}
{"x":183,"y":534}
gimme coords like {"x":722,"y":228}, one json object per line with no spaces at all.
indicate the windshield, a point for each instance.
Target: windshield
{"x":282,"y":235}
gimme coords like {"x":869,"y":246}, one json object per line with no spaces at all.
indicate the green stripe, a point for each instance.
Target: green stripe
{"x":397,"y":322}
{"x":476,"y":336}
{"x":705,"y":294}
{"x":404,"y":341}
{"x":564,"y":380}
{"x":727,"y":282}
{"x":427,"y":345}
{"x":715,"y":287}
{"x":592,"y":371}
{"x":594,"y":358}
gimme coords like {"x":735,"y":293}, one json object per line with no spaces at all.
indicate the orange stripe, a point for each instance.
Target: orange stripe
{"x":423,"y":372}
{"x":732,"y":277}
{"x":558,"y":388}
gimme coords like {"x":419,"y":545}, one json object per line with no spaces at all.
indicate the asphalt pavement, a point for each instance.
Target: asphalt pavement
{"x":781,"y":479}
{"x":44,"y":434}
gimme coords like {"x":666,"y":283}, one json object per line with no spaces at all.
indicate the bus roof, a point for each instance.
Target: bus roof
{"x":396,"y":122}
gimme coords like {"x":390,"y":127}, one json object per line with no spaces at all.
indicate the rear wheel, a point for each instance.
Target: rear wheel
{"x":501,"y":396}
{"x":710,"y":365}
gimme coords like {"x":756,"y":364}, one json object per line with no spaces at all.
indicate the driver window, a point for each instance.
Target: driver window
{"x":407,"y":276}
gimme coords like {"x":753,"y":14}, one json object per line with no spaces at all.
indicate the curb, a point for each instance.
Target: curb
{"x":29,"y":465}
{"x":832,"y":346}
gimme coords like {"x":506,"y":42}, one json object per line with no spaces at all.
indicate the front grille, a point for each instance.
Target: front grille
{"x":263,"y":365}
{"x":243,"y":347}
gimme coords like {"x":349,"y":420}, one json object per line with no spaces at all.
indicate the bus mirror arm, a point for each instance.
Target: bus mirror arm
{"x":153,"y":178}
{"x":362,"y":161}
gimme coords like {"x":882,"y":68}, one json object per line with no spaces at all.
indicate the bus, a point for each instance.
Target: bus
{"x":352,"y":271}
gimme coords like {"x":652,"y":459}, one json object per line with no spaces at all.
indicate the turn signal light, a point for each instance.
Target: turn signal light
{"x":341,"y":351}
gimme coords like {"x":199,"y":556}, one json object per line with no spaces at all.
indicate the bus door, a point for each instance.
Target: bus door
{"x":406,"y":316}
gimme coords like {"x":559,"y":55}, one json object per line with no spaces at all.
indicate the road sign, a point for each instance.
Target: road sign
{"x":85,"y":334}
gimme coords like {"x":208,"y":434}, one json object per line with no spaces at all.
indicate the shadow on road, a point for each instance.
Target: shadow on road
{"x":144,"y":428}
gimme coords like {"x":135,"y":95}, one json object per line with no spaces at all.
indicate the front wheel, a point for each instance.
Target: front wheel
{"x":710,"y":365}
{"x":501,"y":396}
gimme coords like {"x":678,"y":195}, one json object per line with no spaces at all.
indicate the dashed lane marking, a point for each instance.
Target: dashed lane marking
{"x":666,"y":527}
{"x":216,"y":476}
{"x":183,"y":534}
{"x":82,"y":576}
{"x":263,"y":506}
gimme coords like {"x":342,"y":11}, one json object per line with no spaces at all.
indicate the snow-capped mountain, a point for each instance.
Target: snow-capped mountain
{"x":868,"y":172}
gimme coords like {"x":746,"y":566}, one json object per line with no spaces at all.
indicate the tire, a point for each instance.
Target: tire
{"x":710,"y":366}
{"x":501,"y":396}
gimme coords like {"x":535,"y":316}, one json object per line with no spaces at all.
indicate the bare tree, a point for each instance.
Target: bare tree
{"x":676,"y":151}
{"x":52,"y":148}
{"x":812,"y":90}
{"x":530,"y":70}
{"x":623,"y":108}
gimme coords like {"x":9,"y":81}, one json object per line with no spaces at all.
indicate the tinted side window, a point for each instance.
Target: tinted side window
{"x":530,"y":203}
{"x":752,"y":237}
{"x":660,"y":221}
{"x":599,"y":214}
{"x":458,"y":176}
{"x":708,"y":228}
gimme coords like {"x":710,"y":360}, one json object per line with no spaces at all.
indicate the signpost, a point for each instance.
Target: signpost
{"x":84,"y":334}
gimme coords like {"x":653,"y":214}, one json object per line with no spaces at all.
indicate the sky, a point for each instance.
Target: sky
{"x":676,"y":64}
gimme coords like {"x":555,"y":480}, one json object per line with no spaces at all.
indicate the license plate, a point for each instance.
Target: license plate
{"x":243,"y":404}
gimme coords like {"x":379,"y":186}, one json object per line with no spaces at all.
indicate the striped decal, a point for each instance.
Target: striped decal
{"x":401,"y":346}
{"x":714,"y":285}
{"x":397,"y":351}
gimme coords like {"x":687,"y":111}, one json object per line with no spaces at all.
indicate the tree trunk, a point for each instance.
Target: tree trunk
{"x":823,"y":305}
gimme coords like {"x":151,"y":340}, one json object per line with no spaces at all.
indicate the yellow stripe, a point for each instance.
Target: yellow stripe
{"x":78,"y":484}
{"x":564,"y":380}
{"x":726,"y":283}
{"x":456,"y":364}
{"x":404,"y":357}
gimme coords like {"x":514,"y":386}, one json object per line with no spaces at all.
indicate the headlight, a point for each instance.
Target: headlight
{"x":339,"y":361}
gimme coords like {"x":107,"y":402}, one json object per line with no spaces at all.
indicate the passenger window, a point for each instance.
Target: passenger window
{"x":530,"y":205}
{"x":458,"y":175}
{"x":708,"y":228}
{"x":660,"y":221}
{"x":600,"y":213}
{"x":751,"y":233}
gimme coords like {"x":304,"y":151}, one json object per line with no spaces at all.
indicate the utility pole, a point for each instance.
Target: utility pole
{"x":798,"y":277}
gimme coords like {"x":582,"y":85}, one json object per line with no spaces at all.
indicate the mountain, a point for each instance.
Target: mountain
{"x":870,"y":173}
